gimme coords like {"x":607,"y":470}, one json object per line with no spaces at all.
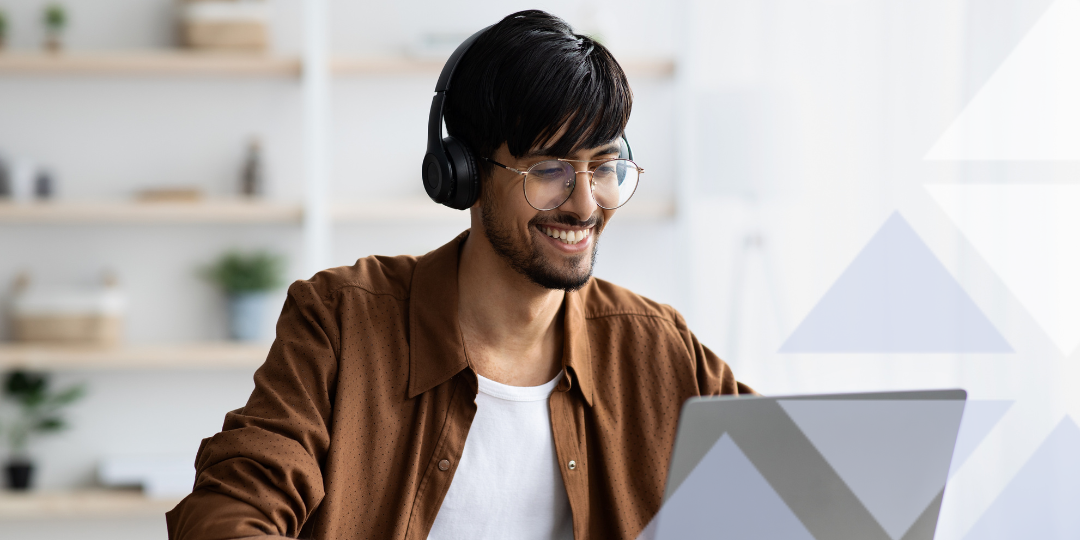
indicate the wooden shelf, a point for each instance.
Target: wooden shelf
{"x":91,"y":503}
{"x":649,"y":67}
{"x":180,"y":62}
{"x":214,"y":355}
{"x":368,"y":66}
{"x":148,"y":62}
{"x":237,"y":211}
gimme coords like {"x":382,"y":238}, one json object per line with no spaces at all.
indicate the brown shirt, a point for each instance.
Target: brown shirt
{"x":361,"y":410}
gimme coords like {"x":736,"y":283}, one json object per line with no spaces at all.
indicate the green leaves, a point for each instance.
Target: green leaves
{"x":55,"y":17}
{"x":69,"y":395}
{"x":237,"y":272}
{"x":51,"y":424}
{"x":25,"y":387}
{"x":38,"y":408}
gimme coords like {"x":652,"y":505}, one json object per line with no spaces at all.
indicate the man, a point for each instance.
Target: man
{"x":491,"y":388}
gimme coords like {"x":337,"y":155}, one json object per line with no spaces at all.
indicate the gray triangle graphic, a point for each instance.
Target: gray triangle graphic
{"x":725,"y":496}
{"x":1043,"y":500}
{"x":896,"y":297}
{"x":893,"y":454}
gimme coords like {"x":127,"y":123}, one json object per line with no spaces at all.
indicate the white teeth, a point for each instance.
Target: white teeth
{"x":566,"y":237}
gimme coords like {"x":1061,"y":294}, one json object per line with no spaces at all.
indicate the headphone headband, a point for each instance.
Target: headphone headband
{"x":449,"y":172}
{"x":452,"y":62}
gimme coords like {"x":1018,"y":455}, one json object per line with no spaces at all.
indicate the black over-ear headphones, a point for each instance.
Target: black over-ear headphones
{"x":450,"y":173}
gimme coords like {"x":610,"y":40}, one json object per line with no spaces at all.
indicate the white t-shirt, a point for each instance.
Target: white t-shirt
{"x":507,"y":484}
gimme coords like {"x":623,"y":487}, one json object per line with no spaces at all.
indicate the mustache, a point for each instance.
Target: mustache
{"x":567,"y":220}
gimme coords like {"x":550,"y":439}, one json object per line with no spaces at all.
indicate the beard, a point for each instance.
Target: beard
{"x":527,"y":259}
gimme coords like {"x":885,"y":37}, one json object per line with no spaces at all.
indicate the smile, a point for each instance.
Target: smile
{"x":570,"y":237}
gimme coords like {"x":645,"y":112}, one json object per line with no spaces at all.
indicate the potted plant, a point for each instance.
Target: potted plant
{"x":55,"y":20}
{"x":38,"y":412}
{"x":3,"y":29}
{"x":246,"y":279}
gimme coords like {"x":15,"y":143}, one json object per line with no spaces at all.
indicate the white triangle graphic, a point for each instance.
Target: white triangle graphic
{"x":726,"y":497}
{"x":894,"y":455}
{"x":896,"y":296}
{"x":1030,"y":235}
{"x":1041,"y":501}
{"x":979,"y":418}
{"x":1029,"y":109}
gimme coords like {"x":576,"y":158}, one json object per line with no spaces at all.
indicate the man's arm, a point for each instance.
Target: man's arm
{"x":261,"y":475}
{"x":714,"y":376}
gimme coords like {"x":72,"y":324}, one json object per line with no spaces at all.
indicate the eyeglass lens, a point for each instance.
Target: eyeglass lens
{"x":548,"y":184}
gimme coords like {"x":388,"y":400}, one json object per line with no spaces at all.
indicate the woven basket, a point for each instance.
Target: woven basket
{"x":69,"y":329}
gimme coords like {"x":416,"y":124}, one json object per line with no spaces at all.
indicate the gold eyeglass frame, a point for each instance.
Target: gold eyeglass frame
{"x":592,"y":182}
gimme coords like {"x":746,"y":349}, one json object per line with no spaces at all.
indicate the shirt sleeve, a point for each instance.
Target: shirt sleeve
{"x":260,"y":476}
{"x":714,"y":376}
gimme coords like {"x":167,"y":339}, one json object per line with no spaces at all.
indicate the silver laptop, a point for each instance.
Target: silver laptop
{"x":867,"y":466}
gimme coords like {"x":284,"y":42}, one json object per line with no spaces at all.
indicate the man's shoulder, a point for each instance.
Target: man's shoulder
{"x":602,"y":298}
{"x":376,"y":274}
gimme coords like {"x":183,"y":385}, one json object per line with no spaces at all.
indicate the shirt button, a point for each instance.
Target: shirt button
{"x":572,"y":465}
{"x":445,"y":464}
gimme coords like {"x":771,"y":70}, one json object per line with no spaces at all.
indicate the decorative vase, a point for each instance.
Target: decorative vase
{"x":246,"y":315}
{"x":19,"y":474}
{"x":53,"y":43}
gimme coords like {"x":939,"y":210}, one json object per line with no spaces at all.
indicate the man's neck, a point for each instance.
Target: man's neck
{"x":513,"y":328}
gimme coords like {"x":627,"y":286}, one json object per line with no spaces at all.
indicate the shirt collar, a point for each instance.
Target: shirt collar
{"x":437,"y":350}
{"x":576,"y":354}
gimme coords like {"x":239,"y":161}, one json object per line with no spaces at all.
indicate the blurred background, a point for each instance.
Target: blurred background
{"x":842,"y":195}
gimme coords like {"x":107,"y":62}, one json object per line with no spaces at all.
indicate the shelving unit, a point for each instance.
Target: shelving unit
{"x":135,"y":212}
{"x":210,"y":355}
{"x":148,"y":62}
{"x":369,"y":66}
{"x":312,"y":73}
{"x":239,"y":211}
{"x":179,"y":62}
{"x":89,"y":503}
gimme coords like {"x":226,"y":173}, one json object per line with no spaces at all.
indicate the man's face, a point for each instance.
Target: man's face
{"x":526,"y":237}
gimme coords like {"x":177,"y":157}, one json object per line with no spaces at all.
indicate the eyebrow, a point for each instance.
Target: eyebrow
{"x":546,"y":152}
{"x":613,"y":149}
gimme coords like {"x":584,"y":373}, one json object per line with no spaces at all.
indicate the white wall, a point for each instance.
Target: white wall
{"x":814,"y":118}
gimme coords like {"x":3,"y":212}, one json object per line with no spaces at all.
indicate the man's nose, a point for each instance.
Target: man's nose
{"x":581,"y":202}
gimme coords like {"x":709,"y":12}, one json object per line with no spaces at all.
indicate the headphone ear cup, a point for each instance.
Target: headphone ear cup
{"x":438,"y":179}
{"x":466,"y":178}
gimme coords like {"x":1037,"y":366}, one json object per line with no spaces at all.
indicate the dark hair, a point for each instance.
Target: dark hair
{"x":527,"y":77}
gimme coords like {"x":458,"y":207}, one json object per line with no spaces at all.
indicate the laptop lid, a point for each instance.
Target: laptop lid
{"x":868,"y":466}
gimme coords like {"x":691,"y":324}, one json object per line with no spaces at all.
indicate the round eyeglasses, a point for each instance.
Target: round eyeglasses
{"x":550,"y":183}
